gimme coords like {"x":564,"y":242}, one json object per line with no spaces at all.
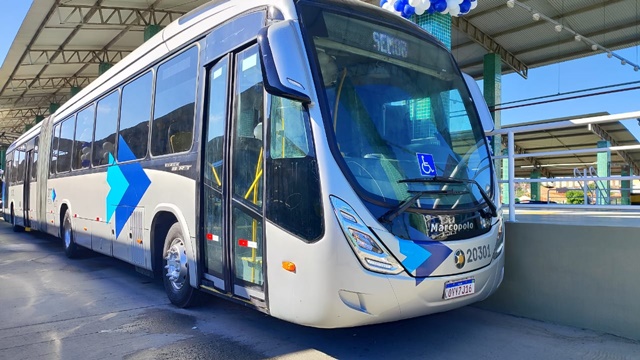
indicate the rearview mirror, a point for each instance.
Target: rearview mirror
{"x":284,"y":64}
{"x":481,"y":105}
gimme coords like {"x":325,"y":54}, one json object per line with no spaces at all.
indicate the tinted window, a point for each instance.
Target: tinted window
{"x":247,"y":136}
{"x":65,"y":145}
{"x":174,"y":104}
{"x":84,"y":133}
{"x":106,"y":124}
{"x":54,"y":149}
{"x":34,"y":168}
{"x":9,"y":174}
{"x":293,"y":195}
{"x":19,"y":166}
{"x":134,"y":119}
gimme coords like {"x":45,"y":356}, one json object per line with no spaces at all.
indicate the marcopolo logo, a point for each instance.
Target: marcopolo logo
{"x":440,"y":227}
{"x":450,"y":228}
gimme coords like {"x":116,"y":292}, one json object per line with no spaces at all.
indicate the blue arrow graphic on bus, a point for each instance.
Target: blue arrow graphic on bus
{"x":415,"y":255}
{"x":128,"y":183}
{"x":423,"y":258}
{"x":118,"y":184}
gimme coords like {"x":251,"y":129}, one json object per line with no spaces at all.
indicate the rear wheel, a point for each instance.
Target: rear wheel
{"x":71,"y":249}
{"x":176,"y":269}
{"x":16,"y":228}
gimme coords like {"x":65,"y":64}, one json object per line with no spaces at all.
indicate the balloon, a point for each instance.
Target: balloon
{"x":408,"y":11}
{"x":399,"y":5}
{"x":420,"y":11}
{"x":465,"y":6}
{"x":454,"y":8}
{"x":415,"y":3}
{"x":382,"y":2}
{"x":431,"y":10}
{"x":439,"y":5}
{"x":473,"y":4}
{"x":387,"y":6}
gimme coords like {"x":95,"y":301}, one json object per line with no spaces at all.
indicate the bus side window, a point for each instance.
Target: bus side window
{"x":134,"y":118}
{"x":53,"y":161}
{"x":105,"y":129}
{"x":82,"y":145}
{"x":293,"y":185}
{"x":174,"y":104}
{"x":34,"y":167}
{"x":65,"y":144}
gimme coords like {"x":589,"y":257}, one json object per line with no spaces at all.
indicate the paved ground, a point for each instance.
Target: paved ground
{"x":96,"y":307}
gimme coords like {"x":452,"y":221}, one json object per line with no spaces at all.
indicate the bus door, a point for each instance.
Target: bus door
{"x":26,"y":188}
{"x":232,"y":176}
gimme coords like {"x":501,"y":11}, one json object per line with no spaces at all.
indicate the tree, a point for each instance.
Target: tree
{"x":575,"y":197}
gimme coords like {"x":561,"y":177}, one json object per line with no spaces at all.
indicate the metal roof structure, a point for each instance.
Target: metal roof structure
{"x":62,"y":43}
{"x":572,"y":138}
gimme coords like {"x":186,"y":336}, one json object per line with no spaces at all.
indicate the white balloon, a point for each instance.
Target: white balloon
{"x":415,"y":3}
{"x":460,"y":1}
{"x":454,"y":11}
{"x":386,"y":6}
{"x":446,"y":11}
{"x":419,"y":11}
{"x":474,"y":4}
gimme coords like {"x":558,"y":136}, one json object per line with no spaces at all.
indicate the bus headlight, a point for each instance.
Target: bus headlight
{"x":371,"y":254}
{"x":500,"y":241}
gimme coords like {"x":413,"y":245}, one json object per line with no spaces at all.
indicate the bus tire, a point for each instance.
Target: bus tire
{"x":16,"y":228}
{"x":71,"y":249}
{"x":176,"y":269}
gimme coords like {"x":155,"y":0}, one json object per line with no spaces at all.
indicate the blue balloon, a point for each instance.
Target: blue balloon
{"x":408,"y":11}
{"x":465,"y":6}
{"x":431,"y":10}
{"x":399,"y":5}
{"x":439,"y":5}
{"x":382,"y":2}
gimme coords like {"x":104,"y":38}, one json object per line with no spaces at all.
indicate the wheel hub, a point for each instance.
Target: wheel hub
{"x":176,"y":264}
{"x":67,"y":237}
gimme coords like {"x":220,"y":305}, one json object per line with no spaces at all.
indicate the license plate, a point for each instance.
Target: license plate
{"x":458,"y":288}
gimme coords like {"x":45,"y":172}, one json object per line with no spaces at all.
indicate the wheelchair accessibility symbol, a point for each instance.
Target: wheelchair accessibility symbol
{"x":427,"y":165}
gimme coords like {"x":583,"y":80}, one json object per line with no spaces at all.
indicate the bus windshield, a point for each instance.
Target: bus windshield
{"x":400,"y":113}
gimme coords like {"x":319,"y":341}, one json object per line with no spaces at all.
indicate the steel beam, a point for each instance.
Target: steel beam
{"x":114,"y":16}
{"x":31,"y":101}
{"x":51,"y":83}
{"x":23,"y":113}
{"x":491,"y":45}
{"x":75,"y":57}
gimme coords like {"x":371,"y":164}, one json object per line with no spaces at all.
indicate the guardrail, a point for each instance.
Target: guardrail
{"x":512,"y":155}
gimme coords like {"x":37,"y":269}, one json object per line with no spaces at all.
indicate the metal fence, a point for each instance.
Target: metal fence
{"x":585,"y":178}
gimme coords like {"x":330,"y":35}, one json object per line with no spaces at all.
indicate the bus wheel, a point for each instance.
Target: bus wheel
{"x":16,"y":228}
{"x":70,"y":247}
{"x":176,"y":269}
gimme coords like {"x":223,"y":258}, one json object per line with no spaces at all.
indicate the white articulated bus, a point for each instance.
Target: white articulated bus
{"x":322,"y":161}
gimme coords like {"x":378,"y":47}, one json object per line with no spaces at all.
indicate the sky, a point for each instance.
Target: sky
{"x":593,"y":71}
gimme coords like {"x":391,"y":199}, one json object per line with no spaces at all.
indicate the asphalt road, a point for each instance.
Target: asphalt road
{"x":96,"y":307}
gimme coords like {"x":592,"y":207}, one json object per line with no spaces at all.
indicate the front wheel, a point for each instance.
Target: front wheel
{"x":70,"y":247}
{"x":176,"y":269}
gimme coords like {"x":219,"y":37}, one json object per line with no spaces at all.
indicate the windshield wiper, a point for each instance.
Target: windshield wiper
{"x":403,"y":206}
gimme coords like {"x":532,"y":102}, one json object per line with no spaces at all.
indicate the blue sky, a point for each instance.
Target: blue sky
{"x":593,"y":71}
